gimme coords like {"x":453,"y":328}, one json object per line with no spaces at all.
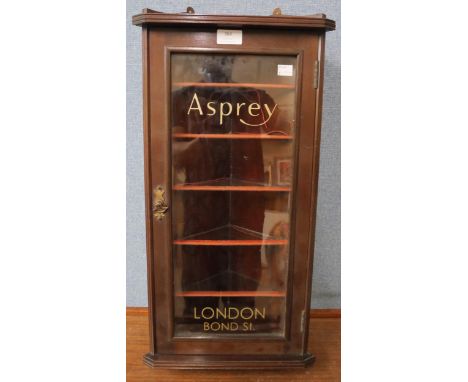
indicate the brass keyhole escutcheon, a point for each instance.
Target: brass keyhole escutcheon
{"x":160,"y":206}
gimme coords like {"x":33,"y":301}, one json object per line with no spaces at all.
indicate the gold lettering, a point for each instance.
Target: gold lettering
{"x":268,"y":110}
{"x":239,"y":106}
{"x":220,"y":313}
{"x":195,"y":99}
{"x":258,"y":313}
{"x":207,"y":309}
{"x":224,"y":326}
{"x":253,"y":106}
{"x":221,"y":111}
{"x":211,"y":108}
{"x":249,"y":310}
{"x":231,"y":313}
{"x":226,"y":109}
{"x":215,"y":326}
{"x":270,"y":113}
{"x":230,"y":316}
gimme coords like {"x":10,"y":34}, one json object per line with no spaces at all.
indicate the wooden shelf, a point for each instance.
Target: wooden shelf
{"x":233,"y":85}
{"x":230,"y":236}
{"x":233,"y":136}
{"x":185,"y":187}
{"x":229,"y":243}
{"x":231,"y":293}
{"x":228,"y":184}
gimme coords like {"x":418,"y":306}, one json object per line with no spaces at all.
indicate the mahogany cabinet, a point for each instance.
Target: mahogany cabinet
{"x":232,"y":109}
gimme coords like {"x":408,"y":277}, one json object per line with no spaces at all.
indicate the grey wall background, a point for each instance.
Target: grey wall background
{"x":326,"y":278}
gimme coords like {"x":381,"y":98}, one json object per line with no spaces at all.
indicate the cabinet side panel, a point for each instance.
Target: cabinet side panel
{"x":160,"y":179}
{"x":306,"y":197}
{"x":316,"y":162}
{"x":147,"y":174}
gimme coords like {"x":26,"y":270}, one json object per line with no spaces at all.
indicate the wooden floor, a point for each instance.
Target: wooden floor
{"x":324,"y":343}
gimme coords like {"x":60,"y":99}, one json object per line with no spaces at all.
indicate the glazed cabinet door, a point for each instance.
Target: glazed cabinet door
{"x":231,"y":189}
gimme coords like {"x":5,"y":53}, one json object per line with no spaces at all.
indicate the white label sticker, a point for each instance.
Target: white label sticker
{"x":229,"y":36}
{"x":285,"y":70}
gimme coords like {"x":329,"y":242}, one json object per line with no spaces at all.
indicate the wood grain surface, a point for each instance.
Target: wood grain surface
{"x":317,"y":22}
{"x":200,"y":37}
{"x":302,"y":39}
{"x":324,"y":343}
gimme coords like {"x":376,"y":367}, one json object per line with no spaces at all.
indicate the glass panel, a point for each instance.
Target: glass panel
{"x":233,"y":128}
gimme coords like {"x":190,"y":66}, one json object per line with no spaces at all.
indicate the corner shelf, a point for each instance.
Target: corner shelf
{"x":230,"y":243}
{"x":231,"y":293}
{"x":230,"y":235}
{"x":228,"y":184}
{"x":232,"y":136}
{"x":233,"y":85}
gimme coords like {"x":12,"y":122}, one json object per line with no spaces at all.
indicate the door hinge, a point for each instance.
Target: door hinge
{"x":316,"y":73}
{"x":303,"y":314}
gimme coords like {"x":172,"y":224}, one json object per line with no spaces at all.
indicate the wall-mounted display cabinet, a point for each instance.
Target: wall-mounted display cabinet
{"x":232,"y":109}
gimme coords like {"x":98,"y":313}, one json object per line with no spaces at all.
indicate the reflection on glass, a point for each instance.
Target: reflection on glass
{"x":233,"y":129}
